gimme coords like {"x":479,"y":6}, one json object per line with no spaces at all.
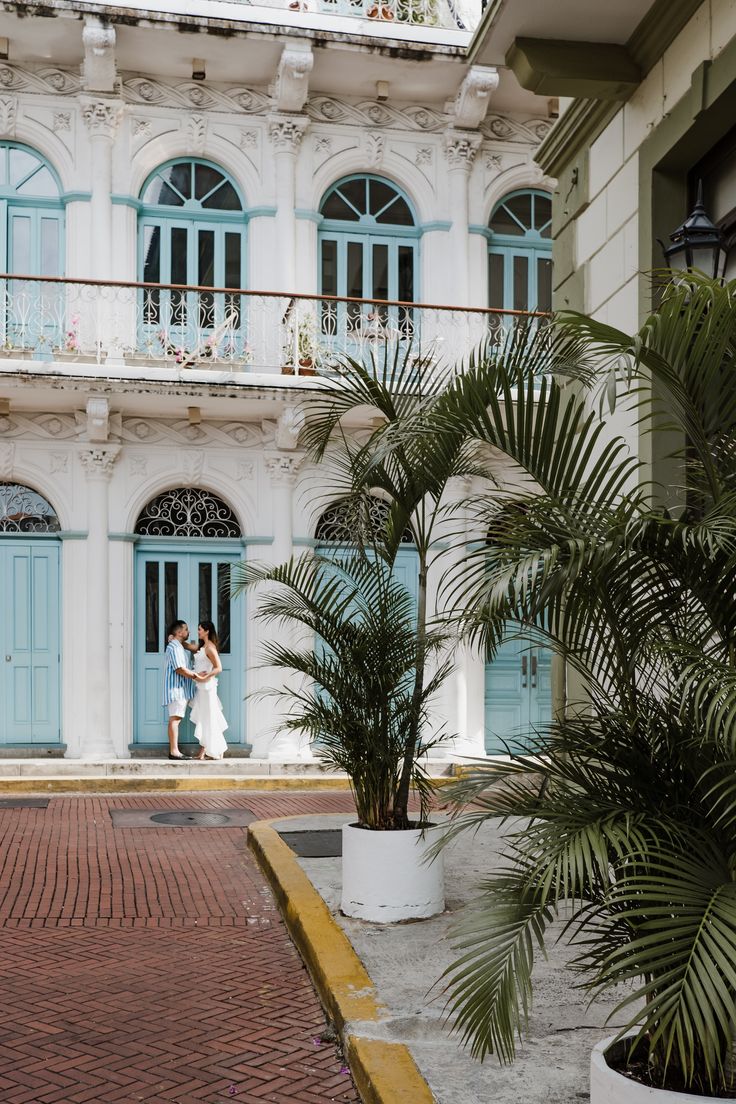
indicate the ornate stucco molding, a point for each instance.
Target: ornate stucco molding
{"x":286,"y":132}
{"x":98,"y":68}
{"x":461,"y":148}
{"x":473,"y":98}
{"x":283,"y":467}
{"x":101,"y":117}
{"x":291,"y":87}
{"x":98,"y":462}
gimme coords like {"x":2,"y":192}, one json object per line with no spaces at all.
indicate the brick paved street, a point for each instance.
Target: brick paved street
{"x":151,"y":964}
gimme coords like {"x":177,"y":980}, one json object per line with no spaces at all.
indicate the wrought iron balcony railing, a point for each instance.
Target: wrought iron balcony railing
{"x":138,"y":326}
{"x":426,"y":13}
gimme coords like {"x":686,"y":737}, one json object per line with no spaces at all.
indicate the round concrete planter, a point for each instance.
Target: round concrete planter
{"x":385,"y":876}
{"x":609,"y":1087}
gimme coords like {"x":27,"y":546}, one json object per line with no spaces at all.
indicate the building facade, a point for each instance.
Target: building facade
{"x":197,"y":212}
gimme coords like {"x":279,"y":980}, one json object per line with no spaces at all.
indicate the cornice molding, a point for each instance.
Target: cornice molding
{"x":658,"y":30}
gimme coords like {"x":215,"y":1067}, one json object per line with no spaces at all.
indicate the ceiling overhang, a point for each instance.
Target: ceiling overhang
{"x":591,"y":70}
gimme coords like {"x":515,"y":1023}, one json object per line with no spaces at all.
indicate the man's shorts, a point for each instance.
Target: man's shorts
{"x":177,"y":708}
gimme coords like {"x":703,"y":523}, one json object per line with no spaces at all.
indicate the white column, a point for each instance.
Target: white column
{"x":466,"y":685}
{"x":460,"y":150}
{"x":286,"y":133}
{"x":101,"y":117}
{"x":283,"y":469}
{"x":98,"y":463}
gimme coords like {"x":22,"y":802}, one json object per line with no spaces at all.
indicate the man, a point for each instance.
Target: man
{"x":178,"y":678}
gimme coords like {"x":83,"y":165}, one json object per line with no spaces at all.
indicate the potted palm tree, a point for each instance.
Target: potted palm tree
{"x":622,"y":812}
{"x":355,"y":700}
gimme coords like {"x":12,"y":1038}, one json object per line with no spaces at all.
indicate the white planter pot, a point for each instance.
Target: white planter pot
{"x":609,"y":1087}
{"x":385,"y":877}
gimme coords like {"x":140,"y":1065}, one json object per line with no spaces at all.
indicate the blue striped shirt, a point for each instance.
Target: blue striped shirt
{"x":176,"y":686}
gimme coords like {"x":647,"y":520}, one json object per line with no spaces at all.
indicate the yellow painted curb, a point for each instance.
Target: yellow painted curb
{"x":384,"y":1073}
{"x":123,"y":784}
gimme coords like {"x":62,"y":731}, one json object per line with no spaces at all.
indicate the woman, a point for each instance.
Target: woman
{"x":206,"y":710}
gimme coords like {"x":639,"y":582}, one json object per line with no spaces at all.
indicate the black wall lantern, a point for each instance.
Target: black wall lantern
{"x":697,"y":244}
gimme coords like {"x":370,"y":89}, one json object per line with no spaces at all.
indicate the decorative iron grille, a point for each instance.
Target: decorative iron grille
{"x":341,"y":522}
{"x":23,"y":510}
{"x":187,"y":512}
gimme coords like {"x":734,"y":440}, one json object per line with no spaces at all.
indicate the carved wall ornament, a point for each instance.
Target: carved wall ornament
{"x":62,"y":120}
{"x":141,"y":128}
{"x":245,"y":469}
{"x":8,"y":115}
{"x":195,"y":94}
{"x":322,"y":144}
{"x":515,"y":130}
{"x":461,"y":148}
{"x":99,"y":55}
{"x":493,"y":162}
{"x":286,"y":132}
{"x":195,"y":127}
{"x":43,"y":79}
{"x":373,"y":114}
{"x":283,"y":467}
{"x":288,"y":427}
{"x":473,"y":98}
{"x":211,"y":434}
{"x":193,"y":465}
{"x":248,"y":139}
{"x":99,"y":462}
{"x":46,"y":426}
{"x":423,"y":156}
{"x":138,"y":465}
{"x":58,"y":462}
{"x":291,"y":86}
{"x":374,"y":148}
{"x":101,"y":117}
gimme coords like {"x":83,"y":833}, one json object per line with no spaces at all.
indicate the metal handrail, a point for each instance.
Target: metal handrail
{"x":309,"y":296}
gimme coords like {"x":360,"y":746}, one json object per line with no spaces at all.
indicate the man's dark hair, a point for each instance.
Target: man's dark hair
{"x":174,"y":626}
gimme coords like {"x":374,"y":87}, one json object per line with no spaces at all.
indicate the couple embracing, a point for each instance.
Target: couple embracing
{"x":196,"y":688}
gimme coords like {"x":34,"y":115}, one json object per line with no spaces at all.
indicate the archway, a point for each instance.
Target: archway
{"x":188,"y":540}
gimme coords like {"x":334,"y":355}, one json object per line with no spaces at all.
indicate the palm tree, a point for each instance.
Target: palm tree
{"x":624,"y":808}
{"x":356,"y":696}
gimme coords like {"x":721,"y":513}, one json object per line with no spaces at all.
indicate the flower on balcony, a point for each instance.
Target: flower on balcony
{"x":71,"y":339}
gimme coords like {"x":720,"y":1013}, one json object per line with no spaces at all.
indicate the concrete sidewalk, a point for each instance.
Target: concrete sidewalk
{"x":405,"y":962}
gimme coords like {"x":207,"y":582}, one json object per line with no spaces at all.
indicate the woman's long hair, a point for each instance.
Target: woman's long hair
{"x":211,"y":631}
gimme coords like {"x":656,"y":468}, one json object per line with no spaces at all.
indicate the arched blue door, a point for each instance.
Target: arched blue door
{"x":189,"y":540}
{"x":518,"y":692}
{"x":520,"y":252}
{"x":30,"y":652}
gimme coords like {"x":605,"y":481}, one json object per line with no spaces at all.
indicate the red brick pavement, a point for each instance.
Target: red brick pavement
{"x":151,"y":964}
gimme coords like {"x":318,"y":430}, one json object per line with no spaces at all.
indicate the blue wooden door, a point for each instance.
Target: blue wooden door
{"x":173,"y":584}
{"x":29,"y":629}
{"x":518,"y":693}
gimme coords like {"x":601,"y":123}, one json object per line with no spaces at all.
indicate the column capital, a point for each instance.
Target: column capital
{"x":99,"y":462}
{"x":461,"y":148}
{"x":286,"y":132}
{"x":283,"y":467}
{"x":101,"y":116}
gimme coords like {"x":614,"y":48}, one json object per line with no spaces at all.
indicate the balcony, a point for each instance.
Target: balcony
{"x":167,"y":331}
{"x":419,"y":13}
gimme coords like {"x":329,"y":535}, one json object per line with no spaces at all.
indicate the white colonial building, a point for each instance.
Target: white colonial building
{"x":200,"y":204}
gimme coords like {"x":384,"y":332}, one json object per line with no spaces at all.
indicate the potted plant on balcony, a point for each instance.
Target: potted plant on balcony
{"x":621,"y":813}
{"x":356,"y":701}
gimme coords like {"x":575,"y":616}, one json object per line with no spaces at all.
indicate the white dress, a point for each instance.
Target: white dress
{"x":206,"y":711}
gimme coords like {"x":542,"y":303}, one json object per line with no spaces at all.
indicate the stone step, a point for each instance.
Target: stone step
{"x":308,"y":769}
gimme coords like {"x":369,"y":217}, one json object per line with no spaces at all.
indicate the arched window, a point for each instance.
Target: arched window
{"x":520,"y":252}
{"x":34,"y":214}
{"x":191,"y":231}
{"x":338,"y":524}
{"x":368,"y":246}
{"x":23,"y":510}
{"x":187,"y":512}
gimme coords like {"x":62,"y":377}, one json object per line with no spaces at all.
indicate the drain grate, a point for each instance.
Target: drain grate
{"x":192,"y":820}
{"x":23,"y":802}
{"x":182,"y":818}
{"x":323,"y":843}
